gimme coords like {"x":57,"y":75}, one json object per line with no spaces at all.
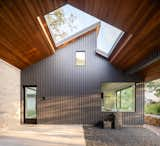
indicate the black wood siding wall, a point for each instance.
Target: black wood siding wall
{"x":73,"y":93}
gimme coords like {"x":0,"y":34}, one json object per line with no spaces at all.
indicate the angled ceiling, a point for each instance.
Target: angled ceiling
{"x":23,"y":43}
{"x":140,"y":19}
{"x":151,"y":72}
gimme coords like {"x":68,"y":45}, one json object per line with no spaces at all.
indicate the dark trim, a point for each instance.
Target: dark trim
{"x":29,"y":121}
{"x":116,"y":100}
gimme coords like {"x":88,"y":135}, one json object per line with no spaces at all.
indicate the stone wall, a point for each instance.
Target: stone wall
{"x":152,"y":120}
{"x":9,"y":95}
{"x":118,"y":120}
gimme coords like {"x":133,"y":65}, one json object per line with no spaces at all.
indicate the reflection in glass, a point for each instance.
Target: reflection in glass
{"x":118,"y":97}
{"x":80,"y":58}
{"x":30,"y":102}
{"x":68,"y":21}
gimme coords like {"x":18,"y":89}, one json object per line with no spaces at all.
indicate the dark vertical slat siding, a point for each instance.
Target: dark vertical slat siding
{"x":135,"y":118}
{"x":73,"y":93}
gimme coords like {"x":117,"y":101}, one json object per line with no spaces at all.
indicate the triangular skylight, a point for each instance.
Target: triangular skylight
{"x":68,"y":22}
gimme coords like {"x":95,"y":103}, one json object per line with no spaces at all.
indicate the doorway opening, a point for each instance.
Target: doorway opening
{"x":30,"y":104}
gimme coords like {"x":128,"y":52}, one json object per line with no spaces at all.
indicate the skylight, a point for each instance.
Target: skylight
{"x":69,"y":22}
{"x":108,"y":38}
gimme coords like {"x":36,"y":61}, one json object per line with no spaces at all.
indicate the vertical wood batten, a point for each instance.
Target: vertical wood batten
{"x":73,"y":93}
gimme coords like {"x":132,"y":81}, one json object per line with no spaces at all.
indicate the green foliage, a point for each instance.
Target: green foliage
{"x":126,"y":103}
{"x":153,"y":108}
{"x":31,"y":114}
{"x":57,"y":20}
{"x":126,"y":98}
{"x":154,"y":86}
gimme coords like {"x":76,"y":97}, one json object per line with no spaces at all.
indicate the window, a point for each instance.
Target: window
{"x":118,"y":97}
{"x":109,"y":102}
{"x":108,"y":38}
{"x":125,"y":99}
{"x":68,"y":22}
{"x":80,"y":58}
{"x":30,"y":102}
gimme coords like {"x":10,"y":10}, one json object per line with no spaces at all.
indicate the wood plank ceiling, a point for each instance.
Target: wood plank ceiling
{"x":22,"y":42}
{"x":140,"y":19}
{"x":151,"y":72}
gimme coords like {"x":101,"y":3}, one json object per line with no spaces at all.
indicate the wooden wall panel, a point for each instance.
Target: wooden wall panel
{"x":70,"y":110}
{"x":149,"y":68}
{"x":151,"y":72}
{"x":136,"y":118}
{"x":72,"y":93}
{"x":22,"y":43}
{"x":139,"y":19}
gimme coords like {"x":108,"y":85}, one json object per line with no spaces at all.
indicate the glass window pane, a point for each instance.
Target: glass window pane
{"x":67,"y":22}
{"x":118,"y":97}
{"x":30,"y":102}
{"x":80,"y":58}
{"x":107,"y":38}
{"x":109,"y":102}
{"x":118,"y":100}
{"x":127,"y":99}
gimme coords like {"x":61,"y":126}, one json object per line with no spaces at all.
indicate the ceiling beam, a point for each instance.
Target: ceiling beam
{"x":44,"y":29}
{"x":125,"y":40}
{"x":152,"y":58}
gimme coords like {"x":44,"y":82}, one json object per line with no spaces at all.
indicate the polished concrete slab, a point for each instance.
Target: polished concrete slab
{"x":43,"y":135}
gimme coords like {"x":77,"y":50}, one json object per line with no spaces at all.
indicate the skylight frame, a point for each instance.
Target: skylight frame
{"x":106,"y":52}
{"x":77,"y":34}
{"x":103,"y":53}
{"x":82,"y":29}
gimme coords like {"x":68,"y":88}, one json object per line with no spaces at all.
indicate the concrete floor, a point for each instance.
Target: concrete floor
{"x":76,"y":135}
{"x":43,"y":135}
{"x":120,"y":137}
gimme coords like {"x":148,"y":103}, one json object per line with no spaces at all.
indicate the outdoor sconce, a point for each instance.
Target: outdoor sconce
{"x":43,"y":98}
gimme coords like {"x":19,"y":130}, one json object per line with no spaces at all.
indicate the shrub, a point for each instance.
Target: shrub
{"x":153,"y":108}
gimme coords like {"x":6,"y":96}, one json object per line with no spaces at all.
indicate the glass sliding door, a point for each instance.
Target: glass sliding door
{"x":30,"y":108}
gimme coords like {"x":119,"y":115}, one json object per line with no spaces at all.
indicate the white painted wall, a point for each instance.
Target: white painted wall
{"x":9,"y":95}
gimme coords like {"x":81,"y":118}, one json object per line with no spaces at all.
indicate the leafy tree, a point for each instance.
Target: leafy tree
{"x":154,"y":86}
{"x":60,"y":24}
{"x":127,"y":98}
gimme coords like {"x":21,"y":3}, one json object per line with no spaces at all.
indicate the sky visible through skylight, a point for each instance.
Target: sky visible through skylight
{"x":68,"y":21}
